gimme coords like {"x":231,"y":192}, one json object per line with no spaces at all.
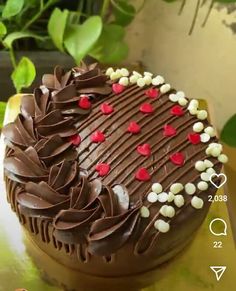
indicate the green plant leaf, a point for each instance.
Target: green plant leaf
{"x":24,"y":74}
{"x":79,"y":39}
{"x":12,"y":8}
{"x":110,"y":48}
{"x":3,"y":29}
{"x":56,"y":27}
{"x":2,"y":112}
{"x":228,"y":134}
{"x":10,"y":38}
{"x":124,"y":12}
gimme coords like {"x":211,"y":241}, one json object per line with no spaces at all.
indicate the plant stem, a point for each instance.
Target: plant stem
{"x":37,"y":15}
{"x":105,"y":7}
{"x":195,"y":17}
{"x":12,"y":57}
{"x":182,"y":7}
{"x":208,"y":13}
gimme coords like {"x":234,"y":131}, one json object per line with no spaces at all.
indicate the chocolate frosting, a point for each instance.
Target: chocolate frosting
{"x":58,"y":180}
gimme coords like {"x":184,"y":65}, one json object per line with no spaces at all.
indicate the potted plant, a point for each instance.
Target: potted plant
{"x":41,"y":34}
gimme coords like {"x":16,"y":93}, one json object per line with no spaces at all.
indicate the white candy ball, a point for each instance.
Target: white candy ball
{"x":124,"y":72}
{"x":141,"y":82}
{"x":133,"y":79}
{"x":152,"y":197}
{"x":200,"y":166}
{"x":171,"y":197}
{"x":179,"y":200}
{"x":194,"y":103}
{"x":205,"y":137}
{"x":109,"y":71}
{"x":167,"y":211}
{"x":124,"y":81}
{"x":173,"y":97}
{"x":215,"y":152}
{"x":210,"y":171}
{"x":162,"y":197}
{"x":202,"y":185}
{"x":208,"y":163}
{"x":210,"y":130}
{"x":192,"y":110}
{"x":158,"y":80}
{"x":148,"y":80}
{"x":118,"y":72}
{"x":202,"y":114}
{"x":197,"y":202}
{"x":157,"y":188}
{"x":176,"y":188}
{"x":161,"y":225}
{"x":180,"y":94}
{"x":165,"y":88}
{"x":137,"y":74}
{"x":198,"y":127}
{"x":223,"y":158}
{"x":148,"y":74}
{"x":205,"y":176}
{"x":114,"y":76}
{"x":190,"y":188}
{"x":144,"y":212}
{"x":182,"y":101}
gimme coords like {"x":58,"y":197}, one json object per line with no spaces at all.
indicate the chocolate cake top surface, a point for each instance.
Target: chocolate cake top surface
{"x":111,"y":157}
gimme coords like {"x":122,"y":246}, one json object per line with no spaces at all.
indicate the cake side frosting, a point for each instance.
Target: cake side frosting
{"x":110,"y":158}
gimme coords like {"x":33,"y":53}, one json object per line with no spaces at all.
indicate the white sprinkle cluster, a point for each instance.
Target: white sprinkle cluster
{"x":179,"y":97}
{"x":167,"y":211}
{"x":193,"y":110}
{"x":162,"y":226}
{"x":214,"y":150}
{"x":125,"y":78}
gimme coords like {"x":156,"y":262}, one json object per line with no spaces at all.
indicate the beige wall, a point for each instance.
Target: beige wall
{"x":203,"y":64}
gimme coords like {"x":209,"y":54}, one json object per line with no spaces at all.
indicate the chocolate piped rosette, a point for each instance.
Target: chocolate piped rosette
{"x":110,"y":171}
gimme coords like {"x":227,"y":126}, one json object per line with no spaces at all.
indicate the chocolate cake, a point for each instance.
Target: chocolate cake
{"x":109,"y":171}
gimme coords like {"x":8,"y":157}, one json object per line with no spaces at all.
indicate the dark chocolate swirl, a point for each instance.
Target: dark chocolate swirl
{"x":94,"y":210}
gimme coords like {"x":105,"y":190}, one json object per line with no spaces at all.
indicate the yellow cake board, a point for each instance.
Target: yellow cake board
{"x":189,"y":271}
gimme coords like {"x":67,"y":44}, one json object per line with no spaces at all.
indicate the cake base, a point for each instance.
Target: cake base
{"x":70,"y":279}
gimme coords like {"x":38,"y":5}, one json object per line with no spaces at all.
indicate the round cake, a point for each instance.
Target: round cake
{"x":110,"y":171}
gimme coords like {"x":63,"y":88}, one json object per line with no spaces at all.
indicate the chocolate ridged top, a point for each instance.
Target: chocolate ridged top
{"x":81,"y":166}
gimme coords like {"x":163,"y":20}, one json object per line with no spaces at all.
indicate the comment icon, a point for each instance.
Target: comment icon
{"x":218,"y":227}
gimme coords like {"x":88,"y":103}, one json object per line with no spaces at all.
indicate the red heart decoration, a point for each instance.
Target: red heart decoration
{"x":84,"y":102}
{"x":133,"y":127}
{"x":169,"y":130}
{"x":152,"y":93}
{"x":146,"y":108}
{"x":75,"y":139}
{"x":97,"y":136}
{"x":177,"y":110}
{"x":142,"y":175}
{"x":194,"y":138}
{"x":117,"y":88}
{"x":102,"y":169}
{"x":106,"y":108}
{"x":177,"y":159}
{"x":144,"y":150}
